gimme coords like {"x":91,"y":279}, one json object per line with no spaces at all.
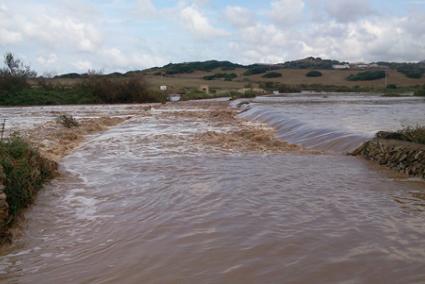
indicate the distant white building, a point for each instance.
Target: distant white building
{"x":341,"y":66}
{"x":163,"y":88}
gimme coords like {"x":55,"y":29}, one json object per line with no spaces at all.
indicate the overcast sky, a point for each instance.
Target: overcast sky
{"x":117,"y":35}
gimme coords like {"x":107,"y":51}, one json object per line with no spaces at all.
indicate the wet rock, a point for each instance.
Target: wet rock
{"x":402,"y":156}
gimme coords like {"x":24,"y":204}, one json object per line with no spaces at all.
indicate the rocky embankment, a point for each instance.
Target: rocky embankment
{"x":402,"y":156}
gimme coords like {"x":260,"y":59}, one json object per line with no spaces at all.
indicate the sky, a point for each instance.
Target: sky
{"x":59,"y":36}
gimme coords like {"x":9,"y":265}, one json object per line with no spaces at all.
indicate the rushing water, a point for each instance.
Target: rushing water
{"x":334,"y":122}
{"x":137,"y":204}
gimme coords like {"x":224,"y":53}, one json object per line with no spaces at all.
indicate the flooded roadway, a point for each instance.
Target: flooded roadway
{"x":139,"y":204}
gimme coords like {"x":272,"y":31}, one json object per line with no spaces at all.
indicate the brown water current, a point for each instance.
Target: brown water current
{"x":168,"y":197}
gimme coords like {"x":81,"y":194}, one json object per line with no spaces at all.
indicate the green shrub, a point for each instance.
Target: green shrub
{"x":367,"y":76}
{"x":239,"y":95}
{"x":14,"y":76}
{"x":288,"y":89}
{"x":392,"y":86}
{"x":258,"y":69}
{"x":272,"y":75}
{"x":199,"y":95}
{"x":415,"y":134}
{"x":420,"y":92}
{"x":25,"y":172}
{"x":190,"y":67}
{"x":411,"y":70}
{"x":122,"y":91}
{"x":225,"y":76}
{"x":314,"y":73}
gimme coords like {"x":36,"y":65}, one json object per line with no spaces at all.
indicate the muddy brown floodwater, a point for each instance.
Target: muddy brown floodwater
{"x":189,"y":194}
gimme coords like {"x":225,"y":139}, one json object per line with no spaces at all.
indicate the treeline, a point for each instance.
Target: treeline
{"x":190,"y":67}
{"x":92,"y":89}
{"x":410,"y":70}
{"x":311,"y":63}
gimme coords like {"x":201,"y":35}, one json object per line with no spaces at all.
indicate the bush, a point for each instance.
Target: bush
{"x":288,"y":89}
{"x":392,"y":86}
{"x":239,"y":95}
{"x":225,"y":76}
{"x":67,"y":121}
{"x":272,"y":75}
{"x":257,"y":69}
{"x":14,"y":76}
{"x":314,"y":73}
{"x":122,"y":91}
{"x":25,"y":172}
{"x":414,"y":134}
{"x":411,"y":70}
{"x":367,"y":76}
{"x":420,"y":92}
{"x":190,"y":67}
{"x":199,"y":95}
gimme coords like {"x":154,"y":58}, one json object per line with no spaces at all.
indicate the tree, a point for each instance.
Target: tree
{"x":15,"y":75}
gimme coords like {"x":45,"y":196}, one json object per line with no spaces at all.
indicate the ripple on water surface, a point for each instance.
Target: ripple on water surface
{"x":131,"y":208}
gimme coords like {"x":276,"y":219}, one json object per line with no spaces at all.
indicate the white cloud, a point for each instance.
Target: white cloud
{"x":239,"y":16}
{"x":146,"y":8}
{"x":83,"y":65}
{"x":134,"y":60}
{"x":61,"y":31}
{"x":348,"y":10}
{"x":198,"y":24}
{"x":287,"y":11}
{"x":48,"y":60}
{"x":9,"y":37}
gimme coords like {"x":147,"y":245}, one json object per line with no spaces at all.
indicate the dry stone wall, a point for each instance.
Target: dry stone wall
{"x":404,"y":157}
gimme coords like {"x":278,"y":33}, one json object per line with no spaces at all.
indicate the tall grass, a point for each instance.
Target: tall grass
{"x":415,"y":134}
{"x":25,"y":172}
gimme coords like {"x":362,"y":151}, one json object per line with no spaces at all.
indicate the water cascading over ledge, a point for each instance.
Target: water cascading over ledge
{"x":301,"y":133}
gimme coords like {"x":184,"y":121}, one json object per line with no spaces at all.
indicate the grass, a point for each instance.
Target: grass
{"x":415,"y":134}
{"x":35,"y":96}
{"x":25,"y":172}
{"x":199,"y":95}
{"x":90,"y":91}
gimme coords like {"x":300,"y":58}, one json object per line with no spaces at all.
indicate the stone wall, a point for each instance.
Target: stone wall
{"x":402,"y":156}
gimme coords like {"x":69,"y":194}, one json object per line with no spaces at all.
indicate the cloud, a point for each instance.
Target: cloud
{"x":239,"y":16}
{"x":61,"y":31}
{"x":348,"y":10}
{"x":146,"y":8}
{"x":116,"y":58}
{"x":287,"y":11}
{"x":83,"y":65}
{"x":47,"y":60}
{"x":66,"y":37}
{"x":198,"y":24}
